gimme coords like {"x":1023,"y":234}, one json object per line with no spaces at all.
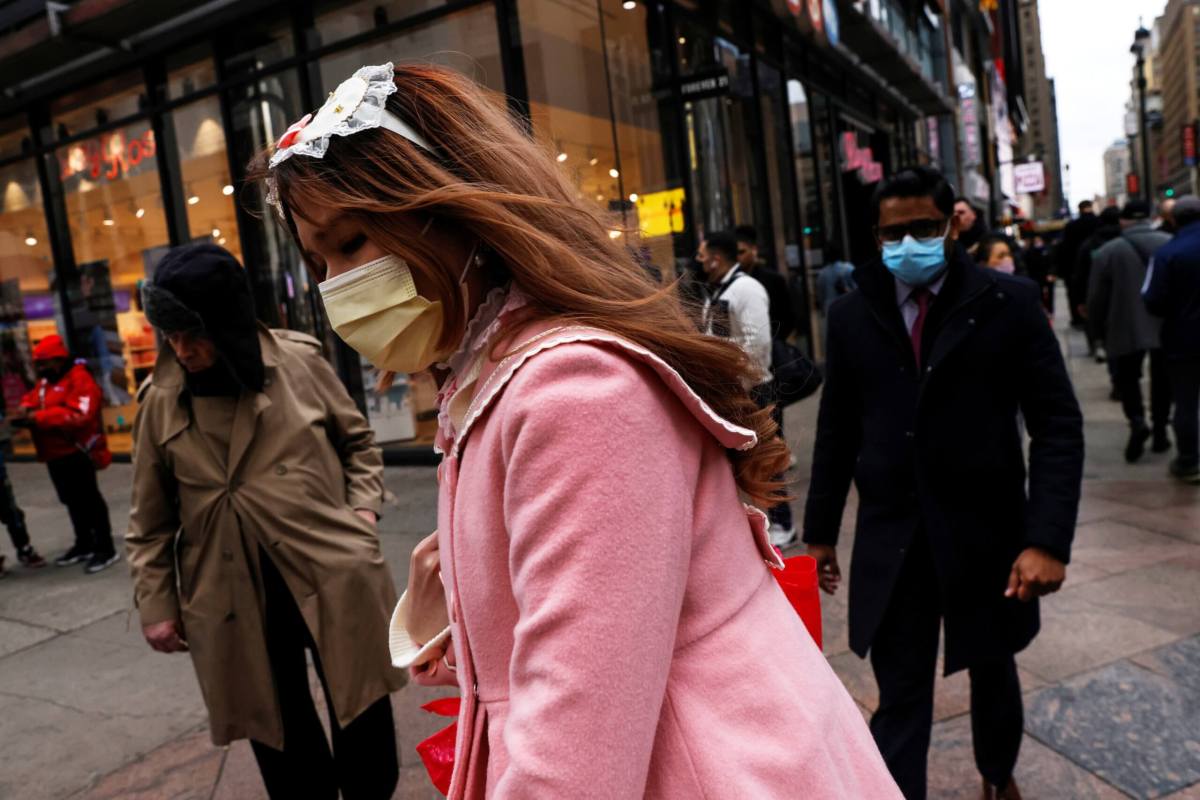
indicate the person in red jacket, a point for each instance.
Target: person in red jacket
{"x":63,"y":412}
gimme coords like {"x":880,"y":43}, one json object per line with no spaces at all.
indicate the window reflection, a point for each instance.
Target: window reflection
{"x":118,"y":232}
{"x":25,"y":268}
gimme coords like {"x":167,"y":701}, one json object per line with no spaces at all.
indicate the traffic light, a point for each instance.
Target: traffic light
{"x":1169,"y":193}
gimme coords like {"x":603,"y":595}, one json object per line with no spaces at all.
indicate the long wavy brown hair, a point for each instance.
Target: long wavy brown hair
{"x":490,"y":180}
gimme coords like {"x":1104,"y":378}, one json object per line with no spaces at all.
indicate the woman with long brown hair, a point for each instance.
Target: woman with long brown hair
{"x":613,"y":625}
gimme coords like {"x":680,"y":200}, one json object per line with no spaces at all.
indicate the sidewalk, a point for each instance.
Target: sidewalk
{"x":1112,"y":684}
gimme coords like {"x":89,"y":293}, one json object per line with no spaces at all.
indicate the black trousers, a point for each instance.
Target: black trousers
{"x":1185,"y":385}
{"x":10,"y":513}
{"x":904,"y":659}
{"x":764,"y":394}
{"x":74,"y":479}
{"x":363,"y":763}
{"x":1127,"y":377}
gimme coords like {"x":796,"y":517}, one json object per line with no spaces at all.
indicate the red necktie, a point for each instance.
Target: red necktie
{"x":921,"y":295}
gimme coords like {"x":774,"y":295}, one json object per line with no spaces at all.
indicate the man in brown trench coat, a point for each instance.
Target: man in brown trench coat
{"x":252,"y":536}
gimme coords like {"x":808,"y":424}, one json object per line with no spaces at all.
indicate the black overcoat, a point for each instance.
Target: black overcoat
{"x":940,"y":448}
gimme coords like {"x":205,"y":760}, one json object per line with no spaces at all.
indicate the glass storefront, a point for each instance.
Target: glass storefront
{"x":662,"y":113}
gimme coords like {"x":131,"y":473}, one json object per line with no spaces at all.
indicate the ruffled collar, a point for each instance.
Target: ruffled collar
{"x":464,"y":366}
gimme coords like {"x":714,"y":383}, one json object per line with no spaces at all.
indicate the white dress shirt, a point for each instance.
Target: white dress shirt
{"x":908,"y":304}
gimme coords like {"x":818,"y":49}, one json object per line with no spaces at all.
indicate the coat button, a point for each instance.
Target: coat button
{"x":929,"y":369}
{"x":230,"y":617}
{"x":227,"y":555}
{"x":909,"y":435}
{"x":281,"y":470}
{"x":971,"y":321}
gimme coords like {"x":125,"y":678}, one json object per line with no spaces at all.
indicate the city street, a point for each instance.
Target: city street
{"x":1112,"y":685}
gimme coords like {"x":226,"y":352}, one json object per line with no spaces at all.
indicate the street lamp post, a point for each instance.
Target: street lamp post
{"x":1140,"y":38}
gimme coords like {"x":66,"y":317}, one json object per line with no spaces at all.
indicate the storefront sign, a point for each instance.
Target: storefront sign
{"x":660,"y":213}
{"x":1030,"y":177}
{"x":860,"y":160}
{"x":1188,"y":138}
{"x":972,"y":152}
{"x":110,"y":156}
{"x":705,"y":86}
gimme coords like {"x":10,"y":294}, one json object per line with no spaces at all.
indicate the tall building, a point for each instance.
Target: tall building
{"x":1116,"y":167}
{"x":1040,"y":142}
{"x":1177,"y":57}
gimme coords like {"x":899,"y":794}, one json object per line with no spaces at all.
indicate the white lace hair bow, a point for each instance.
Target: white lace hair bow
{"x":358,"y":104}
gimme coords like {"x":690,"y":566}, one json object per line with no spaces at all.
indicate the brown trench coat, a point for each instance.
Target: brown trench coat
{"x":301,"y":459}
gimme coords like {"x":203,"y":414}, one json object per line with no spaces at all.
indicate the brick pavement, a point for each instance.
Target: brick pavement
{"x":1112,"y":685}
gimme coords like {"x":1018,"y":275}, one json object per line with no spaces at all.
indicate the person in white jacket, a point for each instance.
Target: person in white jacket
{"x":736,"y":306}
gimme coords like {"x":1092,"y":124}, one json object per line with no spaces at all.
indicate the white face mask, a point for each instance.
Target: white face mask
{"x":376,"y":310}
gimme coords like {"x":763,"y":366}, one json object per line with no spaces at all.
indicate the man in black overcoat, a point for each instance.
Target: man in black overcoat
{"x":930,"y":364}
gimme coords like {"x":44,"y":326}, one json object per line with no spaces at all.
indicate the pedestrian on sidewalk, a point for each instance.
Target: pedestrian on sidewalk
{"x":1109,"y":228}
{"x":14,"y":520}
{"x":252,"y":534}
{"x":1116,"y":309}
{"x":1066,"y":254}
{"x":614,"y":629}
{"x":783,"y":323}
{"x":1172,"y":292}
{"x":995,"y":252}
{"x":928,"y":365}
{"x":63,"y":413}
{"x":783,"y":315}
{"x":971,"y":224}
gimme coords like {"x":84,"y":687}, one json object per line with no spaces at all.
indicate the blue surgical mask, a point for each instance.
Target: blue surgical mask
{"x":917,"y":262}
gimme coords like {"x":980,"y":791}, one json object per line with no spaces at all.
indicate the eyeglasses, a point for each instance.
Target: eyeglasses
{"x":918,"y":229}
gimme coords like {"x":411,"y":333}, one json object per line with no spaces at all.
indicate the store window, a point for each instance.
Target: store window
{"x":569,"y":98}
{"x":337,"y":20}
{"x":254,"y":45}
{"x":652,"y":191}
{"x":190,"y":71}
{"x":118,"y":232}
{"x":204,"y":168}
{"x":719,"y":113}
{"x":27,"y":307}
{"x":76,"y":113}
{"x":14,"y":137}
{"x":465,"y":41}
{"x":812,"y":190}
{"x":284,"y":295}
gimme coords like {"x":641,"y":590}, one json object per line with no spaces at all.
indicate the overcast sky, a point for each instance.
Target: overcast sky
{"x":1087,"y":53}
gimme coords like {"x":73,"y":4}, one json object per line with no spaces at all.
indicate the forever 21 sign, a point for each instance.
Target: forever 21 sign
{"x":109,"y":156}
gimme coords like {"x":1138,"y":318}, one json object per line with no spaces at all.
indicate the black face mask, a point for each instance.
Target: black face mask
{"x":49,"y":374}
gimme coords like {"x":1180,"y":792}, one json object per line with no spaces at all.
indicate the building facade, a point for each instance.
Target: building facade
{"x":1040,"y":143}
{"x":126,"y":127}
{"x":1177,"y":63}
{"x":1116,"y":169}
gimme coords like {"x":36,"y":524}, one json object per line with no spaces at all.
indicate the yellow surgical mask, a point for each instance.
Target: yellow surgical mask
{"x":376,"y":310}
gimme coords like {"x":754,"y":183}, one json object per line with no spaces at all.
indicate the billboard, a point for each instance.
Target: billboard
{"x":1030,"y":177}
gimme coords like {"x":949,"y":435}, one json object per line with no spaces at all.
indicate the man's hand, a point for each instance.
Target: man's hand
{"x":829,"y":575}
{"x":164,"y":636}
{"x":369,"y":515}
{"x":427,"y":611}
{"x":1035,"y":573}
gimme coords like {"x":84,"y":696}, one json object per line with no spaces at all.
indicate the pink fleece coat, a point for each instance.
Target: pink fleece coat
{"x":617,"y":630}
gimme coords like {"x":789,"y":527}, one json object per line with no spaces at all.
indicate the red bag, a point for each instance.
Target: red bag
{"x":437,"y":752}
{"x":798,"y":579}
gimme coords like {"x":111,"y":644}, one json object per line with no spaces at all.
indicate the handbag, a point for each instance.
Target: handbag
{"x":798,"y":579}
{"x":796,"y":377}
